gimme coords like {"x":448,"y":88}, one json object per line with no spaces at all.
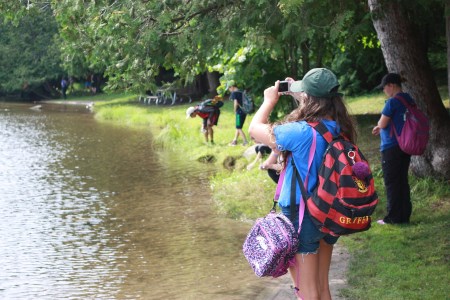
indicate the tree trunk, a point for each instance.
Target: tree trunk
{"x":213,"y":82}
{"x":305,"y":58}
{"x":447,"y":34}
{"x":405,"y":54}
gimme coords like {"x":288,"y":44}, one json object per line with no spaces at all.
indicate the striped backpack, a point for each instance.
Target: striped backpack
{"x":344,"y":198}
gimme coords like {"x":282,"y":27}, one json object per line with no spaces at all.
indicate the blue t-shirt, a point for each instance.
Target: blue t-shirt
{"x":395,"y":110}
{"x":296,"y":137}
{"x":237,"y":95}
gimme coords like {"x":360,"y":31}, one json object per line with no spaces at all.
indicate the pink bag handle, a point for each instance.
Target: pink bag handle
{"x":279,"y":184}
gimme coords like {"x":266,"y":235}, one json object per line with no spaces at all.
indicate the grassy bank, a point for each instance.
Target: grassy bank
{"x":388,"y":262}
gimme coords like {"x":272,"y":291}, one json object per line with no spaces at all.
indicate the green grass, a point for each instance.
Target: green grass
{"x":254,"y":184}
{"x":172,"y":129}
{"x":408,"y":261}
{"x":387,"y":262}
{"x":399,"y":262}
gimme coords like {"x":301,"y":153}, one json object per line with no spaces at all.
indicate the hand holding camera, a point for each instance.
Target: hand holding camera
{"x":284,"y":86}
{"x":281,"y":88}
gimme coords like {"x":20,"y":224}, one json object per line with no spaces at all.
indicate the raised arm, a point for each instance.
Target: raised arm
{"x":260,"y":129}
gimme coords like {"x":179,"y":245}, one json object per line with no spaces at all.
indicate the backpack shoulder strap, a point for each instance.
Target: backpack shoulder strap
{"x":407,"y":105}
{"x":323,"y":130}
{"x":303,"y":186}
{"x":404,"y":102}
{"x":243,"y":93}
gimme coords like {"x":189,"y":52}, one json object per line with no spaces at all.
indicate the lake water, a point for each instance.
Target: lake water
{"x":90,"y":210}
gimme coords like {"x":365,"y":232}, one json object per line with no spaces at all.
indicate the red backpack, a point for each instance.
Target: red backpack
{"x":345,"y":197}
{"x":416,"y":131}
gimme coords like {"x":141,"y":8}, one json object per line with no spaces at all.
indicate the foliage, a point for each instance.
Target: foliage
{"x":14,"y":10}
{"x":251,"y":42}
{"x":29,"y":57}
{"x":133,"y":40}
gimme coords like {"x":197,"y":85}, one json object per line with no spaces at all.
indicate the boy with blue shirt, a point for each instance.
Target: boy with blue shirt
{"x":395,"y":162}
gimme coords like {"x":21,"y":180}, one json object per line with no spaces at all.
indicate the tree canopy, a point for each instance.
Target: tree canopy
{"x":250,"y":42}
{"x":29,"y":56}
{"x":132,"y":40}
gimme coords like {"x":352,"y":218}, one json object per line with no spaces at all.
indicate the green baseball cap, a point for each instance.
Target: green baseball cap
{"x":318,"y":82}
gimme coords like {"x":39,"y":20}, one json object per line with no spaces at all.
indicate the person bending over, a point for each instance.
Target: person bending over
{"x":210,"y":116}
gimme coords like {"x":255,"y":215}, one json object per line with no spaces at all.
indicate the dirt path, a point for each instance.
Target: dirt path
{"x":280,"y":289}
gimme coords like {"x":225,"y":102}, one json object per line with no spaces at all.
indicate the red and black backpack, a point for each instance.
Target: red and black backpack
{"x":344,"y":198}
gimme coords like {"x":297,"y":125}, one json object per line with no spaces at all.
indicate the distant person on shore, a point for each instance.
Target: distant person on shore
{"x":64,"y":86}
{"x":88,"y":83}
{"x":94,"y":84}
{"x":236,"y":97}
{"x":395,"y":162}
{"x":209,"y":111}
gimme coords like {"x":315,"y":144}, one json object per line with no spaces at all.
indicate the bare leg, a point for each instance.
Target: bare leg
{"x":211,"y":134}
{"x":305,"y":276}
{"x":242,"y":134}
{"x":206,"y":133}
{"x":236,"y":135}
{"x":325,"y":252}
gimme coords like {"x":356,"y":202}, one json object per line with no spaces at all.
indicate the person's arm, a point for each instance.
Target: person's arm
{"x":236,"y":105}
{"x":260,"y":129}
{"x":233,"y":98}
{"x":382,"y":123}
{"x":271,"y":162}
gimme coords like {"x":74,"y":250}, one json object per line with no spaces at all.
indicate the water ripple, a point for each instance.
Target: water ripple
{"x":90,"y":211}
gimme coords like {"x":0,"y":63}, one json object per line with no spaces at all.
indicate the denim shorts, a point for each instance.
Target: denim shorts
{"x":309,"y":236}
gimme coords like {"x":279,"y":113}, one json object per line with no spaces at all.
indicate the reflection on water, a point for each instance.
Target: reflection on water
{"x":90,"y":211}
